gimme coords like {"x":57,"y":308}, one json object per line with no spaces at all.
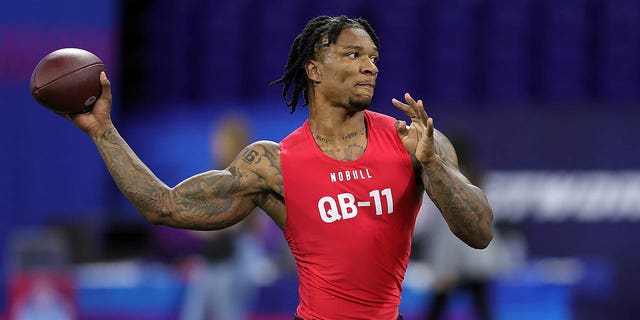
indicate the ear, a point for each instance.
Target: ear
{"x":313,"y":70}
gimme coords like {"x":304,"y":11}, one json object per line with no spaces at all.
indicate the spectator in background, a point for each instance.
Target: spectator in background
{"x":457,"y":267}
{"x":222,"y":282}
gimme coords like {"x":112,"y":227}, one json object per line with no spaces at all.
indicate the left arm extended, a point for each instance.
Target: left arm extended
{"x":463,"y":205}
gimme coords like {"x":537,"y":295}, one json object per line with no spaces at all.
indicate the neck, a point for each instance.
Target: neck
{"x":339,"y":137}
{"x":335,"y":124}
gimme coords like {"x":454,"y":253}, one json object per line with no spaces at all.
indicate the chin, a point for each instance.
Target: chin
{"x":359,"y":104}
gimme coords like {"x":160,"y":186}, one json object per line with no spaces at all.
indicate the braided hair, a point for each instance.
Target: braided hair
{"x":306,"y":46}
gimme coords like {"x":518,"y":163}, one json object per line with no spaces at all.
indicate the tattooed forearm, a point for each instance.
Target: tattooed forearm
{"x":463,"y":205}
{"x":133,"y":178}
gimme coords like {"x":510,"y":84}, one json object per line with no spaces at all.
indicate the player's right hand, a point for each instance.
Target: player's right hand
{"x":96,"y":121}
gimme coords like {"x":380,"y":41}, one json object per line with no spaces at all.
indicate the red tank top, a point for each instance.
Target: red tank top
{"x":349,"y":223}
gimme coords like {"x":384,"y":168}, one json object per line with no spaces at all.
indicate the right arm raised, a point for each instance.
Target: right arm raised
{"x":211,"y":200}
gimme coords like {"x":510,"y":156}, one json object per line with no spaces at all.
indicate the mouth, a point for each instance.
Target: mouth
{"x":366,"y":85}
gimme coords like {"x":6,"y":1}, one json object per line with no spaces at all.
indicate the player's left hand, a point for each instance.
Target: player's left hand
{"x":418,"y":136}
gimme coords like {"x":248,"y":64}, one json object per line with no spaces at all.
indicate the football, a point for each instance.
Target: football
{"x":67,"y":81}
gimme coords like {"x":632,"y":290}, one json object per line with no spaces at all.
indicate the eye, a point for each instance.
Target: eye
{"x":374,"y":59}
{"x":352,"y":55}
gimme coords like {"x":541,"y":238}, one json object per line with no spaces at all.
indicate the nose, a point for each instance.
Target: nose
{"x":368,"y":67}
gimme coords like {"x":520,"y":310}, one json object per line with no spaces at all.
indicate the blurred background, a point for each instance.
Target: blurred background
{"x":542,"y":96}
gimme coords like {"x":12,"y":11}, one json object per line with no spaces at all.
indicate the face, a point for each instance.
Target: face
{"x":347,"y":71}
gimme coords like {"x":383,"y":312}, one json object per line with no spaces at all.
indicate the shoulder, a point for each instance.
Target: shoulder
{"x":376,"y":118}
{"x":263,"y":159}
{"x":295,"y":137}
{"x":259,"y":155}
{"x":253,"y":153}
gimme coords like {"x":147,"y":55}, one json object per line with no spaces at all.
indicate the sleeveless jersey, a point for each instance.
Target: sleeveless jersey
{"x":349,"y":223}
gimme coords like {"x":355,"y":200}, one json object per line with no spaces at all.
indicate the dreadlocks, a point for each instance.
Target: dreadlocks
{"x":305,"y":48}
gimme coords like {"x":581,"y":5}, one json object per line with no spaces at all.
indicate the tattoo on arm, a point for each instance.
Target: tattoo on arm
{"x":265,"y":158}
{"x":250,"y":156}
{"x":463,"y":205}
{"x":133,"y":178}
{"x":445,"y":150}
{"x":211,"y":200}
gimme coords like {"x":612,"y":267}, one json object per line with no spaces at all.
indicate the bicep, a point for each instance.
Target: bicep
{"x":214,"y":199}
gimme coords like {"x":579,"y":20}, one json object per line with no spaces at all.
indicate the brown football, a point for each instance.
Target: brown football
{"x":67,"y":81}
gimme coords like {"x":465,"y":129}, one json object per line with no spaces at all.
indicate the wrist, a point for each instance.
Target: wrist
{"x":433,"y":163}
{"x":98,"y":130}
